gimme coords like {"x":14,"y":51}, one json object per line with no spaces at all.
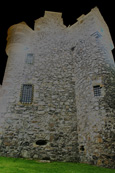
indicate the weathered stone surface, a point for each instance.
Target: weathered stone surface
{"x":65,"y":121}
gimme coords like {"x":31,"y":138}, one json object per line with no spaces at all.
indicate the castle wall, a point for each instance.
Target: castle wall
{"x":51,"y":118}
{"x":65,"y":120}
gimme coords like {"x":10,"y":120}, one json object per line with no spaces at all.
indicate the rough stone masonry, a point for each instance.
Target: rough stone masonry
{"x":57,"y":99}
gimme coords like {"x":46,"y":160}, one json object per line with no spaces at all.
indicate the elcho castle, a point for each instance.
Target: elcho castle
{"x":57,"y":98}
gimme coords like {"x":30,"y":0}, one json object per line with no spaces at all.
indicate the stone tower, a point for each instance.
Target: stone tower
{"x":56,"y":101}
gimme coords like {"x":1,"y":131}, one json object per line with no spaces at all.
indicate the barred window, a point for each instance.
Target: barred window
{"x":97,"y":90}
{"x":26,"y":94}
{"x":30,"y":58}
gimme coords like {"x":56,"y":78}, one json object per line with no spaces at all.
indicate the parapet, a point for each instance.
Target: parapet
{"x":86,"y":25}
{"x":50,"y":20}
{"x":91,"y":24}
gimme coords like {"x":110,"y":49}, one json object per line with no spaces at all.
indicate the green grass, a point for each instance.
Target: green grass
{"x":13,"y":165}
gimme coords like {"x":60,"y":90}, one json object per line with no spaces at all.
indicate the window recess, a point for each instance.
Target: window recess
{"x":30,"y":58}
{"x":26,"y":96}
{"x":97,"y":90}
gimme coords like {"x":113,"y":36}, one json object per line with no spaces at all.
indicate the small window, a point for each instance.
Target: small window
{"x":82,"y":148}
{"x":96,"y":34}
{"x":41,"y":142}
{"x":29,"y":58}
{"x":97,"y":90}
{"x":26,"y":94}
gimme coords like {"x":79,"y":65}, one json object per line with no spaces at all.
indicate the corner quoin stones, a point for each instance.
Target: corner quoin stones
{"x":57,"y":98}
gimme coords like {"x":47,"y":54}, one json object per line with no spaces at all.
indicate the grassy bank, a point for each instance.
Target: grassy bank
{"x":13,"y":165}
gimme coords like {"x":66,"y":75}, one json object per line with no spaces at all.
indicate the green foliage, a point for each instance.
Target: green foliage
{"x":13,"y":165}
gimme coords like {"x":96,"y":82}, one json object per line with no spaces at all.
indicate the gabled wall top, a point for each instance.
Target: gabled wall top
{"x":91,"y":23}
{"x":102,"y":27}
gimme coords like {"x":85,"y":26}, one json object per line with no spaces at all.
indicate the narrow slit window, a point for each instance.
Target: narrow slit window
{"x":97,"y":90}
{"x":26,"y":94}
{"x":30,"y":58}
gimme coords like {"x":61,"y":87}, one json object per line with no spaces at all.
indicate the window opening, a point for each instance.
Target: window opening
{"x":97,"y":90}
{"x":26,"y":94}
{"x":29,"y":58}
{"x":82,"y":148}
{"x":41,"y":142}
{"x":96,"y":34}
